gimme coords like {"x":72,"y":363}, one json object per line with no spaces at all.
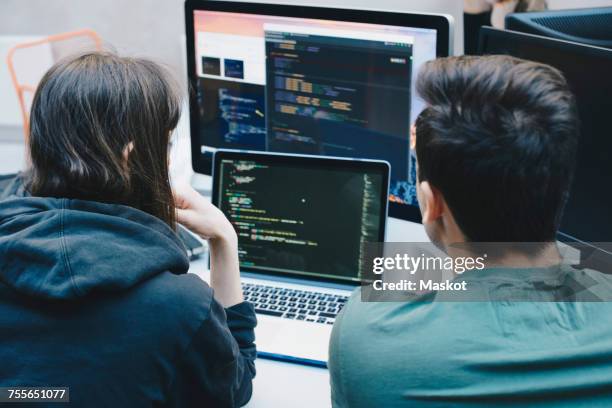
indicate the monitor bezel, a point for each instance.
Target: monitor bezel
{"x":562,"y":45}
{"x":341,"y":163}
{"x":486,"y":33}
{"x":441,"y":23}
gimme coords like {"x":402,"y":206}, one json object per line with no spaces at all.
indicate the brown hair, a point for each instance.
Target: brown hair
{"x":88,"y":111}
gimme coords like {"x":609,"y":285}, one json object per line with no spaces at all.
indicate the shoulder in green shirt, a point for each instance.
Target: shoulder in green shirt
{"x":429,"y":353}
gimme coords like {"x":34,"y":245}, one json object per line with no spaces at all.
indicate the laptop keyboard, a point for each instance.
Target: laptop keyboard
{"x":294,"y":304}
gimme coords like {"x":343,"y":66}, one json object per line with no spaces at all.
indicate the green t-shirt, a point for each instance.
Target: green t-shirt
{"x":429,"y":353}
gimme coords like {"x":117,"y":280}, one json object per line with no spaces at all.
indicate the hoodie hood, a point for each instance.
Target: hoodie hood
{"x":63,"y":249}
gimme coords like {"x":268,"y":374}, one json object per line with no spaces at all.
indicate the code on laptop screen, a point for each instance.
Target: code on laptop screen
{"x":290,"y":218}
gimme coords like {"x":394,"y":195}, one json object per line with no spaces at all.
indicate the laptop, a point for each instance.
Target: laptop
{"x":301,"y":222}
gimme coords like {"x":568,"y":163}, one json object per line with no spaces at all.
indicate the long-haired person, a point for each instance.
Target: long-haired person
{"x":94,"y":293}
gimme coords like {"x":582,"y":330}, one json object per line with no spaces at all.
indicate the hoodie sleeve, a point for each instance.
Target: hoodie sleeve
{"x":218,"y":367}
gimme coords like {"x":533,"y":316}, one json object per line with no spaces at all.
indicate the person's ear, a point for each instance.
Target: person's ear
{"x":432,"y":202}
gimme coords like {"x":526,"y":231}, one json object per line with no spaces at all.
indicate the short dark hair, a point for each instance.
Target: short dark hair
{"x":85,"y":112}
{"x":498,"y":140}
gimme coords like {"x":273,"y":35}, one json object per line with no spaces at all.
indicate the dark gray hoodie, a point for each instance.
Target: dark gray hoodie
{"x":96,"y":297}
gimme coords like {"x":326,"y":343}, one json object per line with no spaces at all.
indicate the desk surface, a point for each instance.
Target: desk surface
{"x":277,"y":384}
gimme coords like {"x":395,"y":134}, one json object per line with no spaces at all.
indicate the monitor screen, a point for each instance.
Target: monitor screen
{"x":302,"y":216}
{"x":310,"y":86}
{"x":588,"y":71}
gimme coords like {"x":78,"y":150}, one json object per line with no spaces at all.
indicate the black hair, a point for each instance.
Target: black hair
{"x":498,"y":140}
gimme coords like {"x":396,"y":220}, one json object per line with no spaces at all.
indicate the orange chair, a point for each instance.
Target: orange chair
{"x":25,"y":76}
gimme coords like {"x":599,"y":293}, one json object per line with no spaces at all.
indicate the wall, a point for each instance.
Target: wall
{"x":152,"y":28}
{"x":565,"y":4}
{"x":140,"y":27}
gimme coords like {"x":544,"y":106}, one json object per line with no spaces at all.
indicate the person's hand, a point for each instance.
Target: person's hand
{"x":200,"y":216}
{"x":206,"y":220}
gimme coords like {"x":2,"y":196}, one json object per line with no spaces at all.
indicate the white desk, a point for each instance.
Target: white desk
{"x":280,"y":384}
{"x":277,"y":384}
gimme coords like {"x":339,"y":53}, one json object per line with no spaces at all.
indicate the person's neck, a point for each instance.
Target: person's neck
{"x":549,"y":256}
{"x":517,"y":257}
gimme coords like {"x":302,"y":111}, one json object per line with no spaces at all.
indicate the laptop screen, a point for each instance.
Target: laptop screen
{"x":302,"y":216}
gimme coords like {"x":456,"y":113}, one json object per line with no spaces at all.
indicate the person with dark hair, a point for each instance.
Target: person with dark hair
{"x":498,"y":122}
{"x":94,"y":289}
{"x":496,"y":149}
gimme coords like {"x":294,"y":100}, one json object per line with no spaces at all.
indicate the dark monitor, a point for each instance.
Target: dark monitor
{"x":310,"y":80}
{"x":588,"y":215}
{"x":592,"y":26}
{"x":302,"y":216}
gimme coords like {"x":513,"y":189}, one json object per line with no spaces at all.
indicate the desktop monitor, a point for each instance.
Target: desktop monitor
{"x":588,"y":215}
{"x":310,"y":80}
{"x":592,"y":26}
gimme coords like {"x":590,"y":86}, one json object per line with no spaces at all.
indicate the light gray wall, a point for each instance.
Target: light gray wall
{"x":153,"y":28}
{"x":140,"y":27}
{"x":565,"y":4}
